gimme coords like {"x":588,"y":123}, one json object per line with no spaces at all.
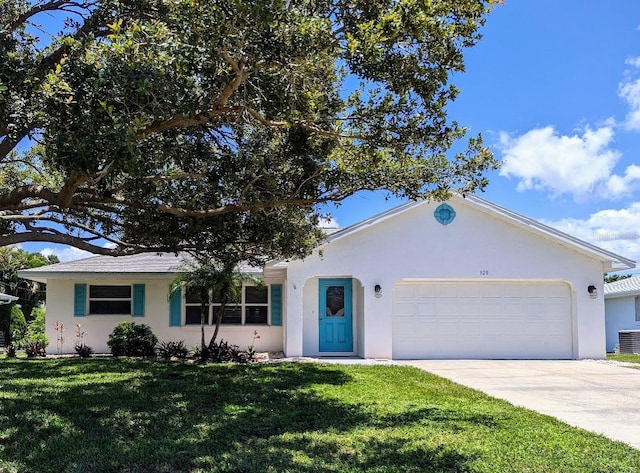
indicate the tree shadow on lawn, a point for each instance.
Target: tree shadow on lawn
{"x":157,"y":416}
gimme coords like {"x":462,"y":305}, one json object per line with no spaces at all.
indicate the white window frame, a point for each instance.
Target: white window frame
{"x":637,"y":301}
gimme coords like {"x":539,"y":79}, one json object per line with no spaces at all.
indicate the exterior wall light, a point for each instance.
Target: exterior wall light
{"x":593,"y":292}
{"x":378,"y":290}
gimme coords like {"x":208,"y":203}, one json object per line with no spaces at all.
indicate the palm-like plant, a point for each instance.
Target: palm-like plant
{"x":220,"y":280}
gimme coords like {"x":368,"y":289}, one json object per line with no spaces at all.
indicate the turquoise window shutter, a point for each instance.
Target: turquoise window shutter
{"x":138,"y":300}
{"x":79,"y":300}
{"x":175,"y":309}
{"x":276,"y":304}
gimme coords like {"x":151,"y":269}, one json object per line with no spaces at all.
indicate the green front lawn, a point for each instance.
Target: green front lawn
{"x":119,"y":415}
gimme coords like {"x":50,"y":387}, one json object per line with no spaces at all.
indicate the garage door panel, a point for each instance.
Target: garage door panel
{"x":443,"y":291}
{"x":483,"y":320}
{"x":447,"y":307}
{"x":472,"y":328}
{"x":404,"y":309}
{"x":468,"y":308}
{"x":426,"y":309}
{"x":541,"y":329}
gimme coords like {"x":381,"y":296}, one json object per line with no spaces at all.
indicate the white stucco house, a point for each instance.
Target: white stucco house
{"x":461,"y":279}
{"x":622,"y":308}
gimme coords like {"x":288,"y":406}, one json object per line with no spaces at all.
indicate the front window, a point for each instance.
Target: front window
{"x":252,"y":308}
{"x":109,"y":300}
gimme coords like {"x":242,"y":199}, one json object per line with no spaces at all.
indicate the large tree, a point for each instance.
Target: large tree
{"x":168,"y":125}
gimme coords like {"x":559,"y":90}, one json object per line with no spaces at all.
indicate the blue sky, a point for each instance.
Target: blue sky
{"x":554,"y":87}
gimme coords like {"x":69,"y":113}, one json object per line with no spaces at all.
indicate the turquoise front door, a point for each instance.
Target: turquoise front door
{"x":335,"y":313}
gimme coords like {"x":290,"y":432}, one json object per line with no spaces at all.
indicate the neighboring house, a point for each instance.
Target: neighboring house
{"x":462,"y":279}
{"x":5,"y":299}
{"x":621,"y":308}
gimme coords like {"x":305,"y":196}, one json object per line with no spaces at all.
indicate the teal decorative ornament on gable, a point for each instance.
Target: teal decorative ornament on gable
{"x":444,"y":214}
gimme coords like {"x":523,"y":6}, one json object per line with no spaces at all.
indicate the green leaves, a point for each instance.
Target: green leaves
{"x":185,"y":125}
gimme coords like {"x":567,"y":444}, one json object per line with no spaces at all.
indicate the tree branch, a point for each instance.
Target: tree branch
{"x":20,"y":193}
{"x":75,"y":180}
{"x":241,"y":76}
{"x":34,"y":10}
{"x":178,"y":212}
{"x":65,"y":239}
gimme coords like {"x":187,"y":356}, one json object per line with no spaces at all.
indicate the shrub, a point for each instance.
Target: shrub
{"x":11,"y":350}
{"x":83,"y":350}
{"x":37,"y":323}
{"x":34,"y":348}
{"x":131,"y":339}
{"x":17,"y":324}
{"x":35,"y":341}
{"x":199,"y":353}
{"x":224,"y":352}
{"x":170,"y":349}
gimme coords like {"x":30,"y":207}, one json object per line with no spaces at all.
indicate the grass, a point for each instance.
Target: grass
{"x":624,"y":358}
{"x":121,"y":415}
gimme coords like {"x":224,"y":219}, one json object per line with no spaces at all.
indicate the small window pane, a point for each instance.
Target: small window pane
{"x":215,"y":297}
{"x":193,"y":316}
{"x":110,"y":307}
{"x":335,"y":301}
{"x":255,"y":295}
{"x":232,"y":315}
{"x":637,"y":308}
{"x":192,"y":295}
{"x":110,"y":292}
{"x":256,"y":315}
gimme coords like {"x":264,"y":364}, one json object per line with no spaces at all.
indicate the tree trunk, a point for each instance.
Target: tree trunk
{"x":204,"y":313}
{"x":223,"y":306}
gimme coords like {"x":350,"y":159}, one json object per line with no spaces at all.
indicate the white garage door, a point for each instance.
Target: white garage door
{"x":482,"y":319}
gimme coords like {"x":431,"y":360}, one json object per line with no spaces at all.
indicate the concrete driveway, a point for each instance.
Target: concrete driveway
{"x":598,"y":396}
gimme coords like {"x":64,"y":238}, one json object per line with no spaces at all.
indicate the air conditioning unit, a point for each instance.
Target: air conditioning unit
{"x":629,"y":341}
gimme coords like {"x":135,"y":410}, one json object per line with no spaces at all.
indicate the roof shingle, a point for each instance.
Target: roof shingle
{"x":623,"y":287}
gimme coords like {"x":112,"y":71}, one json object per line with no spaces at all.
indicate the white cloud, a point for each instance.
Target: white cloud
{"x":622,"y":185}
{"x":578,"y":165}
{"x":633,"y":61}
{"x":614,"y":230}
{"x":66,"y":253}
{"x":630,"y":92}
{"x":328,"y":222}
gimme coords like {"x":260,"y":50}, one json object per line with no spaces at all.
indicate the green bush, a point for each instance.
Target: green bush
{"x":224,"y":352}
{"x":170,"y":349}
{"x":17,"y":324}
{"x":11,"y":350}
{"x":38,"y":322}
{"x":35,"y":341}
{"x":131,"y":339}
{"x":83,"y":350}
{"x":34,"y":348}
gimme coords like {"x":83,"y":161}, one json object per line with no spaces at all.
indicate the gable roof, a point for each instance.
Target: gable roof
{"x":623,"y":287}
{"x":611,"y":261}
